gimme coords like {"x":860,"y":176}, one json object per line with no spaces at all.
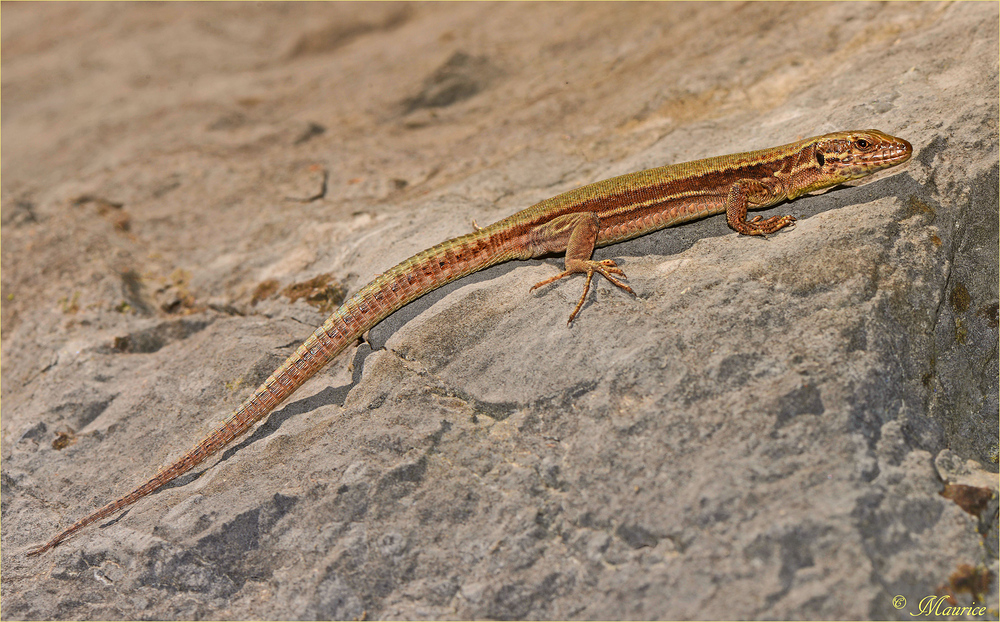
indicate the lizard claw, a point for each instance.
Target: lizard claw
{"x":761,"y":226}
{"x":606,"y":268}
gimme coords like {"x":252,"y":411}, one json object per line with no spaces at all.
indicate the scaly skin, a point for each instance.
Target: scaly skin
{"x":574,"y":222}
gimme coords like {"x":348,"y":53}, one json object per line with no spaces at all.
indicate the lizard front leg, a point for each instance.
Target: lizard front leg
{"x":576,"y":234}
{"x":746,"y":192}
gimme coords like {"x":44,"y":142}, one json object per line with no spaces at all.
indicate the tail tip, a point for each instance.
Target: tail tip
{"x":38,"y":550}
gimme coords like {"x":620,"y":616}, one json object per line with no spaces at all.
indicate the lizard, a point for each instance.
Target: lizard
{"x":574,"y":223}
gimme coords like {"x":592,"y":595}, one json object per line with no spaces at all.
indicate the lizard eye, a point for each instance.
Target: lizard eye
{"x":862,"y":143}
{"x":820,"y":159}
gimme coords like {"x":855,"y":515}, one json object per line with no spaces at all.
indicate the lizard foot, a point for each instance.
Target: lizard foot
{"x":759,"y":226}
{"x":607,"y":268}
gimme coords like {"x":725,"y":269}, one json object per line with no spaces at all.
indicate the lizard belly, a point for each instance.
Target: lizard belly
{"x":621,"y":226}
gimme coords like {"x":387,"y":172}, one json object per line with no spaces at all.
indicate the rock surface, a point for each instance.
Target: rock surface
{"x":764,"y":432}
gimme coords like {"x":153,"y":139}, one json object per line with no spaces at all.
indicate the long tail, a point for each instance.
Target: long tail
{"x":418,"y":275}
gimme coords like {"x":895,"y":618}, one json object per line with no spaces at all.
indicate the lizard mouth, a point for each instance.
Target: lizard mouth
{"x":894,"y":153}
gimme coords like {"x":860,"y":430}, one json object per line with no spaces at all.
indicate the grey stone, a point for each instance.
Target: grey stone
{"x":759,"y":433}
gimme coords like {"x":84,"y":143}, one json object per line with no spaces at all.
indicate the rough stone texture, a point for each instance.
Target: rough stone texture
{"x":764,"y":432}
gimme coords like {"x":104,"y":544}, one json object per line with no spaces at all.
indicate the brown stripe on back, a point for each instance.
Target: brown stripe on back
{"x":615,"y":200}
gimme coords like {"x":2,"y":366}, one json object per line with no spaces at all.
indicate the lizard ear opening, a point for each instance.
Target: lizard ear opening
{"x":820,"y":159}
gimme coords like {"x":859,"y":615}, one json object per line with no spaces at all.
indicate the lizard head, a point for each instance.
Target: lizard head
{"x":843,"y":156}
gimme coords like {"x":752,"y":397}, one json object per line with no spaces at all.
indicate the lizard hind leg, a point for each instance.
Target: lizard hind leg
{"x":606,"y":268}
{"x":576,"y":234}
